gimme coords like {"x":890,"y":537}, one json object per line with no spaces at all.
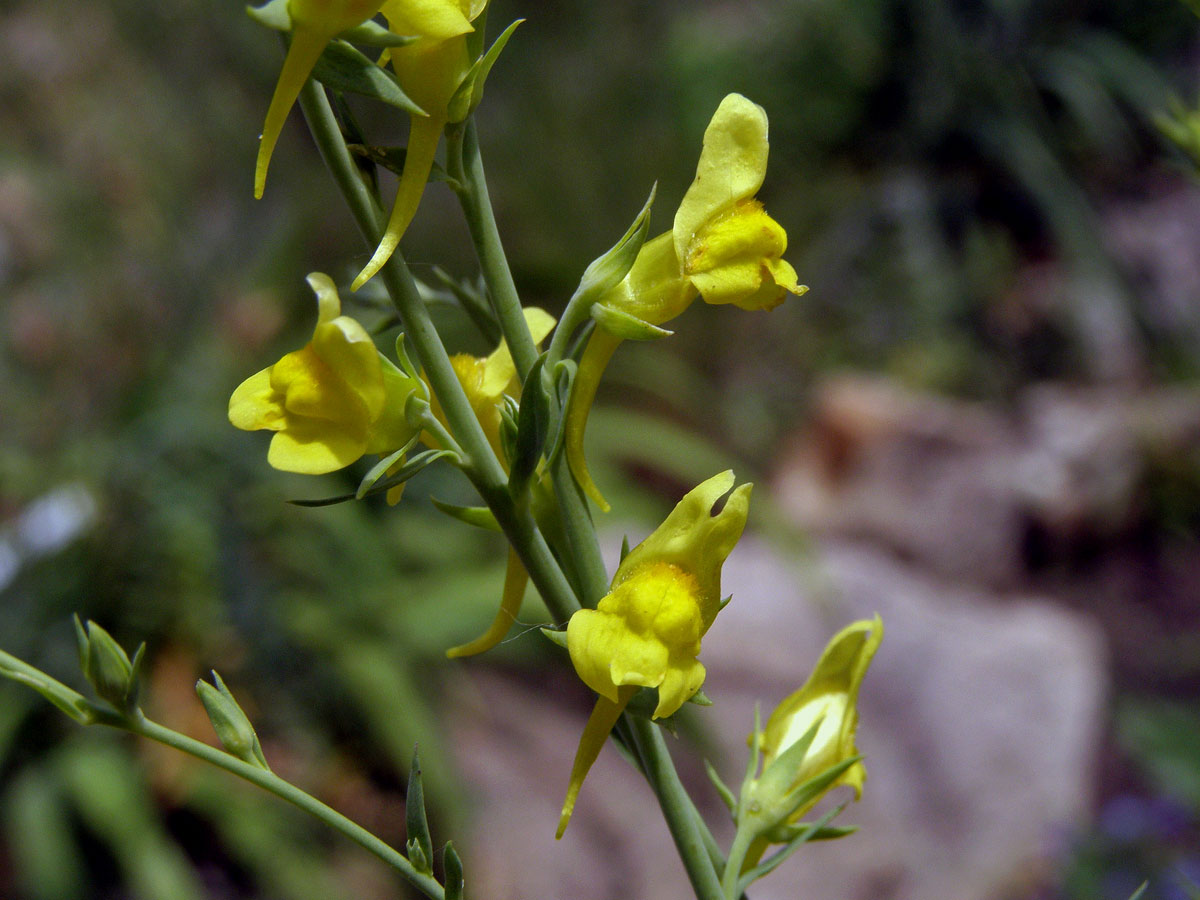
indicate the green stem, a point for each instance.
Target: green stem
{"x":466,"y":167}
{"x":677,"y":809}
{"x":580,"y":533}
{"x":271,"y":782}
{"x":733,"y":866}
{"x":479,"y":462}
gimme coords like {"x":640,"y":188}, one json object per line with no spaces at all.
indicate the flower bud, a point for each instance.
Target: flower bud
{"x":231,"y":724}
{"x":107,"y":666}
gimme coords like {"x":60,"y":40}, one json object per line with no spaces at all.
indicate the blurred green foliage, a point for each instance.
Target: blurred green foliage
{"x":941,"y":169}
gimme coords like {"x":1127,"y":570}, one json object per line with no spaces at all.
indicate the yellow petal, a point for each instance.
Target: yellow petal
{"x":332,"y":16}
{"x":499,"y":368}
{"x":329,"y":304}
{"x":655,"y":290}
{"x":600,"y":348}
{"x":515,"y":580}
{"x":314,"y":447}
{"x":600,"y":723}
{"x":255,"y":404}
{"x":434,"y":19}
{"x":732,"y":166}
{"x":350,"y":354}
{"x":312,"y":390}
{"x":306,"y":48}
{"x":695,"y":541}
{"x":390,"y":430}
{"x":423,"y":139}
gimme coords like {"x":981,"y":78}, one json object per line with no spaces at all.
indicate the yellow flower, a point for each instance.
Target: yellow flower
{"x":723,"y":247}
{"x":827,"y":707}
{"x":486,"y":379}
{"x":330,"y":402}
{"x":646,"y":631}
{"x":430,"y":69}
{"x":314,"y":24}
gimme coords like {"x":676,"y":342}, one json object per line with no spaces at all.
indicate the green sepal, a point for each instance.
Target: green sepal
{"x":420,"y":843}
{"x":607,"y":270}
{"x":392,"y":159}
{"x":787,"y":833}
{"x":624,"y":548}
{"x":470,"y":92}
{"x":373,"y":34}
{"x":452,"y":863}
{"x":478,"y":516}
{"x":554,"y":636}
{"x":380,"y":468}
{"x":71,"y":702}
{"x":776,"y":780}
{"x":508,"y":427}
{"x":723,"y":790}
{"x":406,"y":364}
{"x":561,"y":381}
{"x":230,"y":722}
{"x":700,"y":699}
{"x":343,"y":68}
{"x":533,"y":426}
{"x":625,"y":326}
{"x":807,"y":792}
{"x":775,"y":860}
{"x":107,"y":667}
{"x":273,"y":15}
{"x":407,"y":471}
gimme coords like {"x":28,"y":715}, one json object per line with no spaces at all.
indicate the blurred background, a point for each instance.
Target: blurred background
{"x":982,"y":421}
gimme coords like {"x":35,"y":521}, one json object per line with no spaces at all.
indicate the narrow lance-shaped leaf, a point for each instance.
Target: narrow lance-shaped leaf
{"x":420,"y":843}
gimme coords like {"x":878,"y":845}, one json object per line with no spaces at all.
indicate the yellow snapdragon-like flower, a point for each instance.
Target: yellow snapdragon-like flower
{"x":330,"y":402}
{"x":825,"y":710}
{"x":723,"y":248}
{"x":485,"y":381}
{"x":830,"y":697}
{"x":646,"y":631}
{"x":430,"y":70}
{"x":314,"y":24}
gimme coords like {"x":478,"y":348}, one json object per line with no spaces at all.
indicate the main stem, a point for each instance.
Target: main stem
{"x":466,"y":166}
{"x":691,"y":836}
{"x":481,"y":464}
{"x":271,"y":782}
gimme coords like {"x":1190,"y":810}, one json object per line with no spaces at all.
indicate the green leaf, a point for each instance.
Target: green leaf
{"x":392,"y":159}
{"x":533,"y":426}
{"x":380,"y":468}
{"x":343,"y":68}
{"x":563,"y":377}
{"x":554,"y":636}
{"x":479,"y":516}
{"x":607,"y":270}
{"x":773,"y":862}
{"x":373,"y":34}
{"x":73,"y":703}
{"x":404,"y":473}
{"x":420,"y":844}
{"x":723,"y":790}
{"x":454,"y":873}
{"x":470,"y":92}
